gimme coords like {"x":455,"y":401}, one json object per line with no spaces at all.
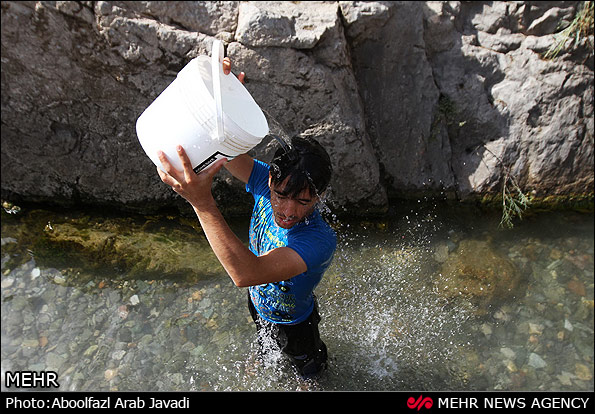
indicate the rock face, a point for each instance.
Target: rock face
{"x":409,"y":98}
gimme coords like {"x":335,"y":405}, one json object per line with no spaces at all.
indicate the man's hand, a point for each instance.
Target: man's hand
{"x":227,"y":69}
{"x":195,"y":188}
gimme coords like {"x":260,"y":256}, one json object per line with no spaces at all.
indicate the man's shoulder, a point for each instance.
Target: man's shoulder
{"x":315,"y":242}
{"x":260,"y":165}
{"x":317,"y":228}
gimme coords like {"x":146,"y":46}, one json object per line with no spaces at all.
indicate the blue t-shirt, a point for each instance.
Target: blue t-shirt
{"x":290,"y":301}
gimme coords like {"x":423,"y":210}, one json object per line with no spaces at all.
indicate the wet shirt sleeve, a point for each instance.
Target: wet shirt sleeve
{"x":258,"y":183}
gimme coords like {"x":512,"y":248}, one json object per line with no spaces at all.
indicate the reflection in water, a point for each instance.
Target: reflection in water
{"x":106,"y":324}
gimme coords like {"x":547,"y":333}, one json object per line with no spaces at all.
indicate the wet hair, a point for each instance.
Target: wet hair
{"x":305,"y":162}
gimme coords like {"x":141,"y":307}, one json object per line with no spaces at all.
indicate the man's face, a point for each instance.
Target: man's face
{"x":289,"y":211}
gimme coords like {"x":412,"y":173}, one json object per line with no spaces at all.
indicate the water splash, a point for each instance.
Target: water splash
{"x":277,"y":132}
{"x":411,"y":336}
{"x":286,"y":145}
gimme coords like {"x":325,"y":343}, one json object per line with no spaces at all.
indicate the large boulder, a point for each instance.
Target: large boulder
{"x":399,"y":93}
{"x":76,"y":77}
{"x":510,"y":111}
{"x":458,"y":96}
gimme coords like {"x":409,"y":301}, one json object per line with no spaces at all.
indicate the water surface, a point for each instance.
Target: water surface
{"x":391,"y":317}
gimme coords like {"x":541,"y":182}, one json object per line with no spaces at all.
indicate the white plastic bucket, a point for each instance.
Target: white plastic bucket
{"x":210,"y":114}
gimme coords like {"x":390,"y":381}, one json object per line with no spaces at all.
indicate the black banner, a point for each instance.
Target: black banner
{"x":404,"y":401}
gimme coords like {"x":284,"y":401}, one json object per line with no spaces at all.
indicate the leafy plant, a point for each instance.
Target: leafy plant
{"x":514,"y":201}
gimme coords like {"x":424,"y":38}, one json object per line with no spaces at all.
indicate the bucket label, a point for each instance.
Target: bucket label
{"x":211,"y":160}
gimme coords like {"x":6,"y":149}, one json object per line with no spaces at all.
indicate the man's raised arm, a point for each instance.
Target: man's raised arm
{"x":241,"y":167}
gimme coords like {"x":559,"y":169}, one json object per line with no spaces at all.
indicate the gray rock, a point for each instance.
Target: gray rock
{"x":552,"y":20}
{"x":536,"y":361}
{"x":297,"y":25}
{"x":410,"y":98}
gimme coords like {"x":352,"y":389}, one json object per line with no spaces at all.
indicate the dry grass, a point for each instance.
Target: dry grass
{"x":580,"y":28}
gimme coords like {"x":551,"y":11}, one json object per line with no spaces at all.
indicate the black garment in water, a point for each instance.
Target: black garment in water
{"x":300,"y":342}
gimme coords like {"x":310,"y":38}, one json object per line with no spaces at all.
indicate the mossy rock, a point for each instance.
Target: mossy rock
{"x":136,"y":252}
{"x":115,"y":247}
{"x":479,"y":273}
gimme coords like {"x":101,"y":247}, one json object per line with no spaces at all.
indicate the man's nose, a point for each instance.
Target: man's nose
{"x":289,"y":208}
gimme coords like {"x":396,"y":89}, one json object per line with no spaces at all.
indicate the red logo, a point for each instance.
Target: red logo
{"x":420,"y":402}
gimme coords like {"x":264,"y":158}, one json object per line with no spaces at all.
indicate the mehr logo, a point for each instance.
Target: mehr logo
{"x":420,"y":403}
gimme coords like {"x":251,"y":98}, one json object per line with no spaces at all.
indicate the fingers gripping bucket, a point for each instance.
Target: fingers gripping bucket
{"x":210,"y":114}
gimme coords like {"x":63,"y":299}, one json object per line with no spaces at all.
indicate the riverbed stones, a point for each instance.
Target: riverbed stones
{"x":167,"y":338}
{"x":54,"y":361}
{"x":583,"y":372}
{"x":7,"y":282}
{"x":118,"y":355}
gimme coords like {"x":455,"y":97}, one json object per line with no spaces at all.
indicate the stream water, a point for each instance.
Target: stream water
{"x":390,"y":318}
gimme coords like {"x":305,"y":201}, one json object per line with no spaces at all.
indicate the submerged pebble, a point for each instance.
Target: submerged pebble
{"x":134,"y":300}
{"x":536,"y":361}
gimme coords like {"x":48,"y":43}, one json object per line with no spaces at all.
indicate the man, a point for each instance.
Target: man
{"x":291,"y":245}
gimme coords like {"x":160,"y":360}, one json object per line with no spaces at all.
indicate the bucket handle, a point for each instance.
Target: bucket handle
{"x":217,"y":54}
